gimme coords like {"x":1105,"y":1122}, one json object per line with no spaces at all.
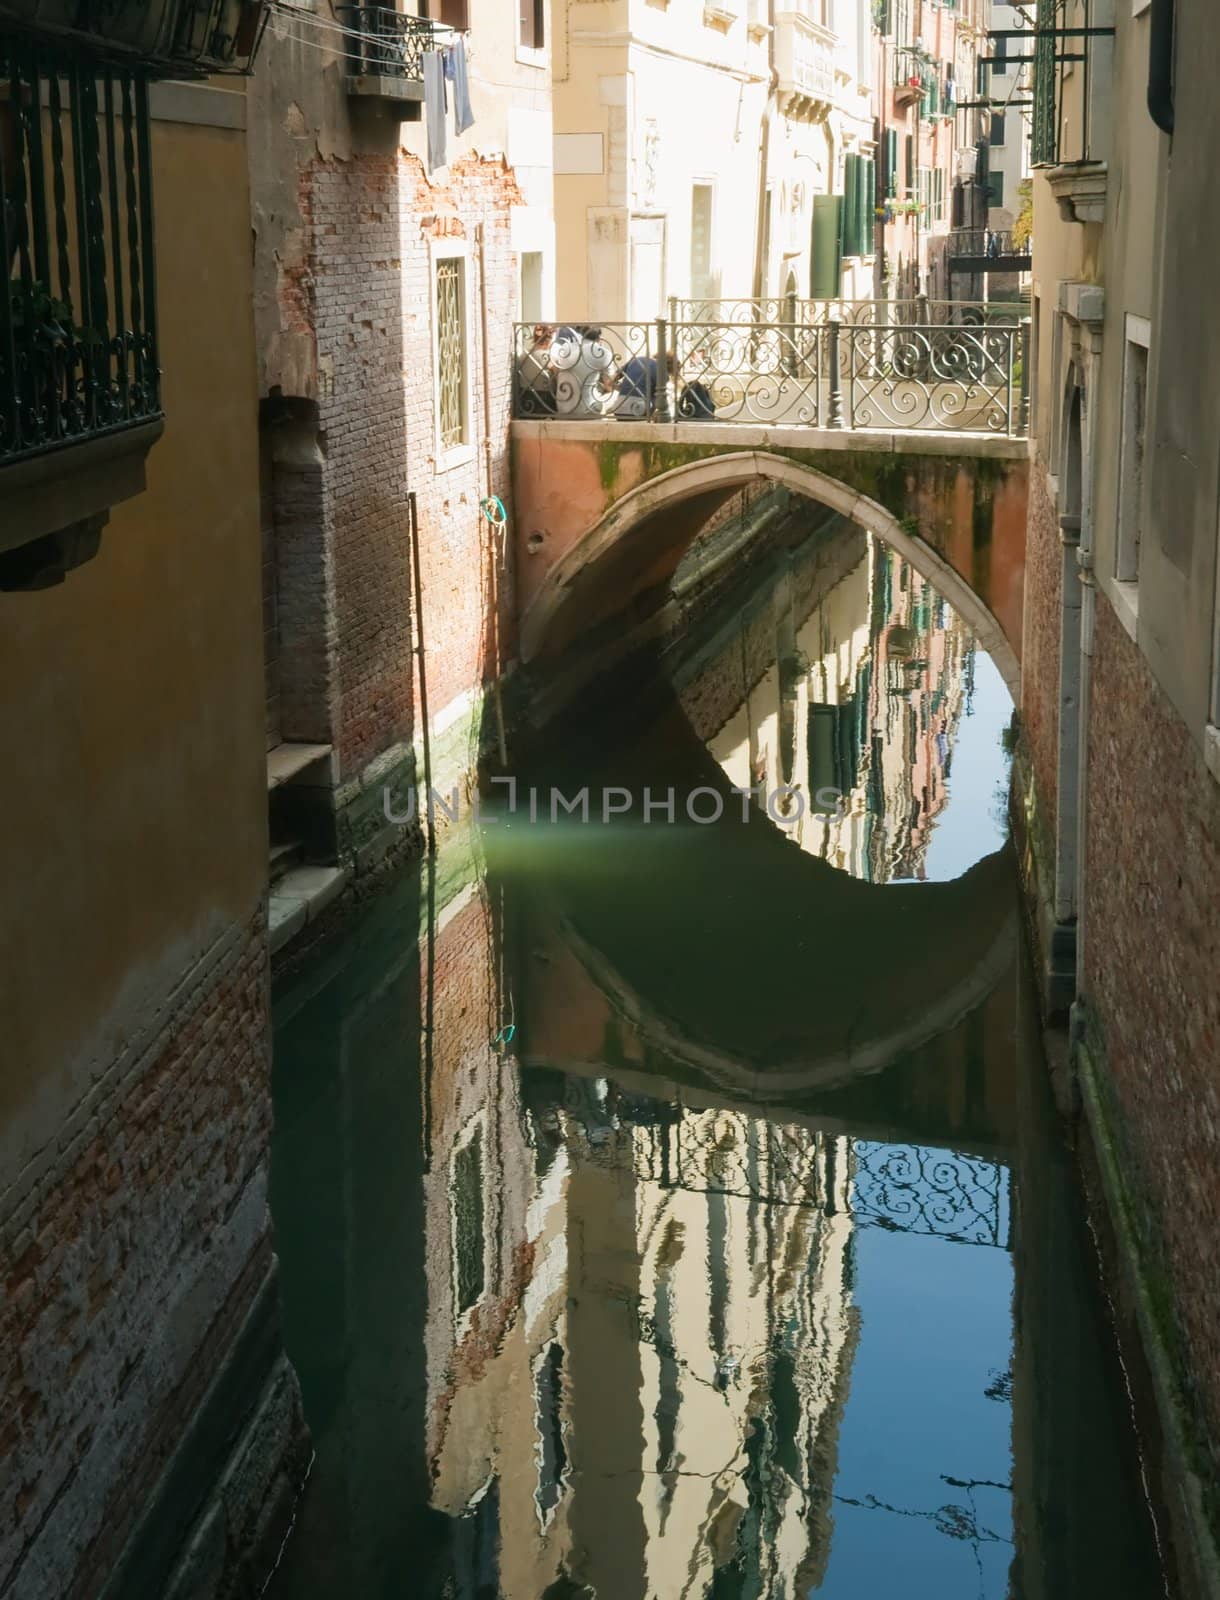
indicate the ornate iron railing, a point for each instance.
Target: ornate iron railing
{"x":78,"y":342}
{"x":907,"y":1188}
{"x":920,"y":1189}
{"x":386,"y":43}
{"x":818,"y":373}
{"x":871,"y":312}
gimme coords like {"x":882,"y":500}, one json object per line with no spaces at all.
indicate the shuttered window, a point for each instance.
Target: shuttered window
{"x":827,"y":246}
{"x":891,"y":163}
{"x":851,"y":203}
{"x":859,"y":201}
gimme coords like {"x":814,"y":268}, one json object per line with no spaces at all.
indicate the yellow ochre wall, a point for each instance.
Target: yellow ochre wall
{"x":133,"y":820}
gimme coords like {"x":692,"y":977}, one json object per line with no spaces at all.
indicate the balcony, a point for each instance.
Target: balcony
{"x":172,"y":38}
{"x":804,"y":61}
{"x":986,"y":250}
{"x":908,"y":75}
{"x":386,"y":55}
{"x":80,"y":401}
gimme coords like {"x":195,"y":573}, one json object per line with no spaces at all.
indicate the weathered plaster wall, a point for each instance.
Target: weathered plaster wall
{"x":134,"y":1102}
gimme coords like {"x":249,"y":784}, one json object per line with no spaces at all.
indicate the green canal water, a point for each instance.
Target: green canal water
{"x":676,"y":1208}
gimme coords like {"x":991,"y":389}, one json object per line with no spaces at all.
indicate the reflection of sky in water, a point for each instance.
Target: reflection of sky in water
{"x":972,"y":824}
{"x":628,"y":1313}
{"x":936,"y":1335}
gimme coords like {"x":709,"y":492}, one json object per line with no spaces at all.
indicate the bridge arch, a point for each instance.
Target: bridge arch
{"x":635,"y":545}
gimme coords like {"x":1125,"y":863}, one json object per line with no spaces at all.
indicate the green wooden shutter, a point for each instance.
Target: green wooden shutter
{"x":851,"y":202}
{"x":870,"y":239}
{"x":891,"y":163}
{"x":826,"y":247}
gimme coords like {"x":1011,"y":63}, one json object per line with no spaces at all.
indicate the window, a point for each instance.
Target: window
{"x":938,"y":194}
{"x":826,"y":247}
{"x":859,"y":200}
{"x":1131,"y":450}
{"x":891,"y":163}
{"x":452,"y":397}
{"x":551,"y":1449}
{"x":995,"y":188}
{"x":453,"y":13}
{"x":531,"y":286}
{"x":701,"y":241}
{"x":533,"y":23}
{"x":995,"y":137}
{"x":467,"y":1219}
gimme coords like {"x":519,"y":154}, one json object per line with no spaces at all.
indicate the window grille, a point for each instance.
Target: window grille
{"x":451,"y":351}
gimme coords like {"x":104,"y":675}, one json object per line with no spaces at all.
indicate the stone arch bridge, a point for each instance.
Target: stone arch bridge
{"x":605,"y":510}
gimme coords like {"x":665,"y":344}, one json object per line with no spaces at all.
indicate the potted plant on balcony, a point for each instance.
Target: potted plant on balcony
{"x":51,"y":350}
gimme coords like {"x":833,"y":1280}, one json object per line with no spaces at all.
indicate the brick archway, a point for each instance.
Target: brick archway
{"x":637,"y":540}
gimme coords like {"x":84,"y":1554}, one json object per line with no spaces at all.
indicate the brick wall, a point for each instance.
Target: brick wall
{"x":371,"y":220}
{"x":1152,"y":952}
{"x":133,"y":1252}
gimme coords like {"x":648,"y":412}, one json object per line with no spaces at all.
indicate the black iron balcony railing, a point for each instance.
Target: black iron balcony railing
{"x":172,"y":36}
{"x":385,"y":43}
{"x":987,"y":242}
{"x":78,"y":342}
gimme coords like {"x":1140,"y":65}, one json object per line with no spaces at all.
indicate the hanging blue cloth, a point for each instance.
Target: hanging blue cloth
{"x":455,"y":71}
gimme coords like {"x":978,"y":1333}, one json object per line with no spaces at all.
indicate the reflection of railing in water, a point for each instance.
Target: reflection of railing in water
{"x":862,"y":375}
{"x":916,"y":1189}
{"x":904,"y":1187}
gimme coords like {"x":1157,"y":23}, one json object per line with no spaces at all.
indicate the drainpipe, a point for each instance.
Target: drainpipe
{"x":764,"y":141}
{"x":495,"y":530}
{"x":1088,"y":613}
{"x":1160,"y":64}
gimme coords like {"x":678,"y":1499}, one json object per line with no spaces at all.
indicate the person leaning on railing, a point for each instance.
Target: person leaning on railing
{"x":536,"y":374}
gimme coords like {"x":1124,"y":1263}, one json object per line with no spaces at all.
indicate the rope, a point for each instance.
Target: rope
{"x":493,"y":509}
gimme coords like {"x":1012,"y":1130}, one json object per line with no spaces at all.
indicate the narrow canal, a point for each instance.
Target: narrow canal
{"x":677,"y":1208}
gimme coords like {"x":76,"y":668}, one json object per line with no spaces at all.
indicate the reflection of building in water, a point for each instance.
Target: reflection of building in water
{"x":664,"y":1403}
{"x":744,"y":1242}
{"x":861,"y":699}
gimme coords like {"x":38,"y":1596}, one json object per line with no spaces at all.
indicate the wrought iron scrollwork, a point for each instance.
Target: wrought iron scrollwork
{"x":918,"y":1189}
{"x":925,"y":377}
{"x":905,"y":1187}
{"x":870,"y":370}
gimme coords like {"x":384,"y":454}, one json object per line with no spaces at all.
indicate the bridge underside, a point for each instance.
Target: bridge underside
{"x":606,"y":510}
